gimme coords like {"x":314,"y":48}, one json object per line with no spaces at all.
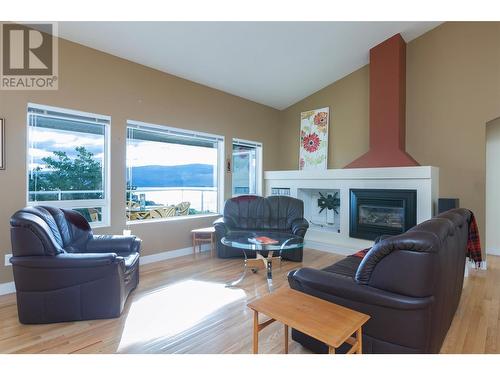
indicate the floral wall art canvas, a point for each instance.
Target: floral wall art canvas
{"x":314,"y":139}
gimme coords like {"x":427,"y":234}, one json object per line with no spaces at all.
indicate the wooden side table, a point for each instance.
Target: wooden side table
{"x":203,"y":235}
{"x":323,"y":320}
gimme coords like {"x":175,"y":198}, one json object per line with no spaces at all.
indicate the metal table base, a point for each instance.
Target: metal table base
{"x":269,"y":269}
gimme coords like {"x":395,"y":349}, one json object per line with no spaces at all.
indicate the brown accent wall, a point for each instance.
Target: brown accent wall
{"x":452,"y":91}
{"x":96,"y":82}
{"x":387,"y":107}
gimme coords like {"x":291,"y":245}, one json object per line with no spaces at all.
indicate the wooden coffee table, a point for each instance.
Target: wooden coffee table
{"x":325,"y":321}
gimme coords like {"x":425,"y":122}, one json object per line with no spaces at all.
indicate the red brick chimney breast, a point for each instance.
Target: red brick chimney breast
{"x":387,"y":107}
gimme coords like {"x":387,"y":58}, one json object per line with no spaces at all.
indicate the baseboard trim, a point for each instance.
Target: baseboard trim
{"x":165,"y":255}
{"x":329,"y":248}
{"x":7,"y":288}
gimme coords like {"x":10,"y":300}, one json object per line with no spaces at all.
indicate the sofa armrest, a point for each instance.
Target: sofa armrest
{"x":67,"y":260}
{"x":381,"y":238}
{"x":299,"y":227}
{"x":221,"y":227}
{"x":345,"y":287}
{"x":121,"y":245}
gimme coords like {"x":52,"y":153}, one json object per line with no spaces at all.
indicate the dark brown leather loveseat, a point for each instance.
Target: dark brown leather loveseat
{"x":410,"y":285}
{"x":255,"y":213}
{"x":63,"y":272}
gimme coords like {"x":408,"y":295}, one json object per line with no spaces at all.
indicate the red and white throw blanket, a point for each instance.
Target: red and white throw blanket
{"x":361,"y":253}
{"x":473,"y":244}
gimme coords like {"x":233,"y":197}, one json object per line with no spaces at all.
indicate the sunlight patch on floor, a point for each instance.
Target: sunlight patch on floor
{"x":176,"y":308}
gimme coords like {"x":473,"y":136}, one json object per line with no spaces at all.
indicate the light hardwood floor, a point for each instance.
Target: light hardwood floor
{"x":182,"y":306}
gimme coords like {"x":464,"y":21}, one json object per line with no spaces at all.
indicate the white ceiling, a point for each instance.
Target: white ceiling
{"x":272,"y":63}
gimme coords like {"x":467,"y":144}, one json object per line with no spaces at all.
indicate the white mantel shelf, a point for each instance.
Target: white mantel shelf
{"x":423,"y":172}
{"x":423,"y":179}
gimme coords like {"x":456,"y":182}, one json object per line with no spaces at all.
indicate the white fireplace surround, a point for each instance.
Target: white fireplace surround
{"x":423,"y":179}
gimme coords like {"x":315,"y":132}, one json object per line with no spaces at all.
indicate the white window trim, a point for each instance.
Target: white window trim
{"x":220,"y":175}
{"x":259,"y":173}
{"x":166,"y":128}
{"x":220,"y":168}
{"x":173,"y":218}
{"x":83,"y":203}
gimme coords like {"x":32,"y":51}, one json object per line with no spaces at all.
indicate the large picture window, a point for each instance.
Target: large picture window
{"x":67,"y":161}
{"x":172,"y":172}
{"x":247,"y":167}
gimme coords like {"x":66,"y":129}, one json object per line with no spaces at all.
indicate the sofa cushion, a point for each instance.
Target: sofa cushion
{"x":413,"y":241}
{"x":247,"y":212}
{"x":35,"y":227}
{"x":284,"y":211}
{"x":345,"y":267}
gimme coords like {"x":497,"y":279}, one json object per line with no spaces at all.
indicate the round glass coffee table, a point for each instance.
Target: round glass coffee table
{"x":257,"y":241}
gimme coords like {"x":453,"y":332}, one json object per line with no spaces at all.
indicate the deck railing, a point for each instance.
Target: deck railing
{"x":201,"y":199}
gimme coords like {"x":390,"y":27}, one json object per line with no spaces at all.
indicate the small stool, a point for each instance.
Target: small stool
{"x":203,"y":235}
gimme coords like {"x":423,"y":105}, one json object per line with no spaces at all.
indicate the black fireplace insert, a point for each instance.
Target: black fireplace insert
{"x":374,"y":212}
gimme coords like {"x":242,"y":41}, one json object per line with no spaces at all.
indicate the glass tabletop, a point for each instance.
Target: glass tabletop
{"x":262,"y":240}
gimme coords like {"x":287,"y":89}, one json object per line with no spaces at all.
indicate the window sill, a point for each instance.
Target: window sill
{"x":173,"y":218}
{"x":99,"y":225}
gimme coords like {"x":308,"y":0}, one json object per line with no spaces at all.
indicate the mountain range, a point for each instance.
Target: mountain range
{"x":189,"y":175}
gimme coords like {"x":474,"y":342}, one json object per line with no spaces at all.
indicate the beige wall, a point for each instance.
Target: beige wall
{"x":453,"y":90}
{"x":96,"y":82}
{"x":348,"y":132}
{"x":492,"y":240}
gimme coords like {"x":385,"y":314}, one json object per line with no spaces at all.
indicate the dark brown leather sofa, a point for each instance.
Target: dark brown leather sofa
{"x":410,"y":285}
{"x":63,"y":272}
{"x":255,"y":213}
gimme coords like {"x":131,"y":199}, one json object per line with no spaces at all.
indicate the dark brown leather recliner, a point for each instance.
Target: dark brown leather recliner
{"x":63,"y":272}
{"x":254,"y":213}
{"x":410,"y":285}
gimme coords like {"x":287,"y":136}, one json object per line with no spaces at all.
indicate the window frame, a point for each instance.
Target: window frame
{"x":258,"y":164}
{"x":104,"y":204}
{"x":191,"y":133}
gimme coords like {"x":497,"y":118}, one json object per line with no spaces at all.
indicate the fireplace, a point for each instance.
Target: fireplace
{"x":374,"y":212}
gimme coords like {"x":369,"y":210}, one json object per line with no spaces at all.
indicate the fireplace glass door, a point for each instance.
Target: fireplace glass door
{"x":385,"y":217}
{"x":374,"y":212}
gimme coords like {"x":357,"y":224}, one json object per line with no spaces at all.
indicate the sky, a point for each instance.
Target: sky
{"x":139,"y":153}
{"x":43,"y":141}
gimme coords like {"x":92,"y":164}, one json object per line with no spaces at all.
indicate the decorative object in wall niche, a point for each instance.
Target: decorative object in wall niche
{"x":2,"y":143}
{"x":280,"y":191}
{"x":314,"y":139}
{"x":331,"y":203}
{"x":228,"y":165}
